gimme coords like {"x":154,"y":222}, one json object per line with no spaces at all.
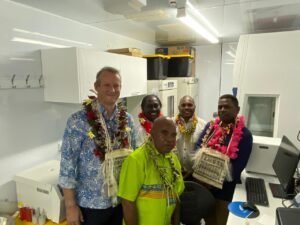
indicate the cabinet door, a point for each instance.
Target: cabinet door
{"x":134,"y":76}
{"x":60,"y":72}
{"x":91,"y":62}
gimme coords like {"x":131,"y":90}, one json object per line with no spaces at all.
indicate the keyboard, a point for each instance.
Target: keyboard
{"x":256,"y":191}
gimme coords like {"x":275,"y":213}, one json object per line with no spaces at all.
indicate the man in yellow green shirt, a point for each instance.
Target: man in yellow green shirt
{"x":151,"y":181}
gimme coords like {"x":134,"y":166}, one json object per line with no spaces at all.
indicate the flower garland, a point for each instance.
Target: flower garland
{"x":98,"y":128}
{"x":183,"y":129}
{"x":217,"y":140}
{"x":145,"y":123}
{"x":168,"y":184}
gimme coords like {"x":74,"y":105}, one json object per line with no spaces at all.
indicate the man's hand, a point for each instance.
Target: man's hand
{"x":73,"y":212}
{"x":74,"y":215}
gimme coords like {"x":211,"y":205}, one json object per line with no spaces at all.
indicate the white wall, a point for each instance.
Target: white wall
{"x":208,"y":71}
{"x":31,"y":129}
{"x":228,"y":59}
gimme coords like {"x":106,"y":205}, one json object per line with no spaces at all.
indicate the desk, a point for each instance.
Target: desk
{"x":240,"y":195}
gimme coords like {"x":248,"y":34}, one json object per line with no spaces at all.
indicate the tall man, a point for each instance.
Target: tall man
{"x":189,"y":127}
{"x":90,"y":134}
{"x":228,"y":135}
{"x":151,"y":181}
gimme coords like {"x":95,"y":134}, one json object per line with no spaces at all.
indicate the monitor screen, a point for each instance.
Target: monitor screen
{"x":285,"y":164}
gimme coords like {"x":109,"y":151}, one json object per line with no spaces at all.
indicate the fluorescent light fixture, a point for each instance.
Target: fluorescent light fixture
{"x":190,"y":18}
{"x":51,"y":37}
{"x":21,"y":59}
{"x":231,"y":54}
{"x":229,"y":63}
{"x":197,"y":27}
{"x":197,"y":14}
{"x":36,"y":42}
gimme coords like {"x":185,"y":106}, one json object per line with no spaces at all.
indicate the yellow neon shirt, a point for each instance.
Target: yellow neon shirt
{"x":140,"y":182}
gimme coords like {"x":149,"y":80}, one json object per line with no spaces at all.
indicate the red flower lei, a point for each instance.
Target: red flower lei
{"x":218,"y":138}
{"x":97,"y":129}
{"x":145,"y":123}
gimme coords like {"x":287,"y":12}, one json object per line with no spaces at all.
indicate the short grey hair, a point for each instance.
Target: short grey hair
{"x":108,"y":69}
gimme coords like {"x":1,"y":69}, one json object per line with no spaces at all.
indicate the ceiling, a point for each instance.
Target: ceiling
{"x":156,"y":23}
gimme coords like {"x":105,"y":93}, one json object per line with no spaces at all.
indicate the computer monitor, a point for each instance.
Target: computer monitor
{"x":285,"y":164}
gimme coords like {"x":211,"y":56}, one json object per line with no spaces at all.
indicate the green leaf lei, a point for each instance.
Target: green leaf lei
{"x":168,"y":185}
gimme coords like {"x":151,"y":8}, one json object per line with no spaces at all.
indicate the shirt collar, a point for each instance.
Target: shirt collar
{"x":190,"y":119}
{"x":104,"y":112}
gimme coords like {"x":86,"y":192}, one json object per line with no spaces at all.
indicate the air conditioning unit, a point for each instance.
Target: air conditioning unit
{"x":124,"y":7}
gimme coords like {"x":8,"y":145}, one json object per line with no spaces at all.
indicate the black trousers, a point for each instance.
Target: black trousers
{"x":109,"y":216}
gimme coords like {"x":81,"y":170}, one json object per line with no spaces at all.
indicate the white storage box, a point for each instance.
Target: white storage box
{"x":263,"y":153}
{"x":38,"y":188}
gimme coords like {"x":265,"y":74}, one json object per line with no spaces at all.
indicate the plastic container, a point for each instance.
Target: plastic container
{"x":157,"y":66}
{"x":180,"y":65}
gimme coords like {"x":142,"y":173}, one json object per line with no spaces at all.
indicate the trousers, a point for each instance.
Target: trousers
{"x":109,"y":216}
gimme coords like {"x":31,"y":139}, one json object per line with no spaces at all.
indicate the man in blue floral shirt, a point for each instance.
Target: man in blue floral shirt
{"x":88,"y":134}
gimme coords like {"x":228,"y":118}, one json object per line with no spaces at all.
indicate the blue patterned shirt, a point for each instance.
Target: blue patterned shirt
{"x":79,"y":167}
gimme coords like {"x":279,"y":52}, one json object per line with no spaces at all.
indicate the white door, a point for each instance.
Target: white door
{"x":169,"y":102}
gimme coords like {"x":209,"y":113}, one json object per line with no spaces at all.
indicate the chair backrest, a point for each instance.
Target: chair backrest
{"x":196,"y":202}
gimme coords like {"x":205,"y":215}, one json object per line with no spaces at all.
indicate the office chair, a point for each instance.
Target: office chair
{"x":196,"y":202}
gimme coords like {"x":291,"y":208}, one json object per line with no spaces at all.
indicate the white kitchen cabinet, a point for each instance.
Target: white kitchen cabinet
{"x":70,"y":73}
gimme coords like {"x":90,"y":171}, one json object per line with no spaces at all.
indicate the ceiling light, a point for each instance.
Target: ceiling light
{"x":197,"y":14}
{"x":21,"y":59}
{"x":197,"y":27}
{"x":36,"y":42}
{"x":188,"y":16}
{"x":51,"y":37}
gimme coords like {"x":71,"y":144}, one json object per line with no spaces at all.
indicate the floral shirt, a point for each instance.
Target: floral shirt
{"x":79,"y":167}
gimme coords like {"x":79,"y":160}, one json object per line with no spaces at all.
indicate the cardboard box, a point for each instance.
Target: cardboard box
{"x":176,"y":50}
{"x":127,"y":51}
{"x":162,"y":51}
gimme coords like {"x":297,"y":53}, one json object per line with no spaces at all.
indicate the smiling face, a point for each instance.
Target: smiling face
{"x":186,"y":107}
{"x":151,"y":107}
{"x":108,"y":87}
{"x":163,"y":134}
{"x":227,"y":110}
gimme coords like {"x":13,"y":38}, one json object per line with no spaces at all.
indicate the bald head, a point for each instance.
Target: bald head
{"x":187,"y":98}
{"x":163,"y":134}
